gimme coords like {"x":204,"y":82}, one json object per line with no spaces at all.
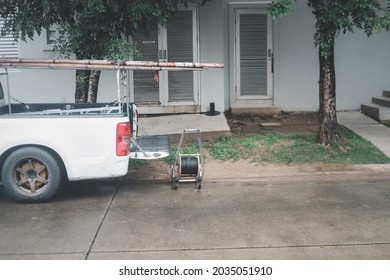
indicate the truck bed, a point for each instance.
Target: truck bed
{"x":61,"y":109}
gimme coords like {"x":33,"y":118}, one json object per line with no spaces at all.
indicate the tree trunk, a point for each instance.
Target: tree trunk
{"x":82,"y":83}
{"x":87,"y":82}
{"x":93,"y":85}
{"x":328,"y":128}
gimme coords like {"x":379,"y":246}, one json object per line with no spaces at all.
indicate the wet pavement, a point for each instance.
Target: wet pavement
{"x":262,"y":212}
{"x":316,"y":217}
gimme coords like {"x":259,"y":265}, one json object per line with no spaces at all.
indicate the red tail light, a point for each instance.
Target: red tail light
{"x":122,"y":139}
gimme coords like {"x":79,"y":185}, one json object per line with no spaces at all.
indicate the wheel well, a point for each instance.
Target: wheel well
{"x":4,"y":156}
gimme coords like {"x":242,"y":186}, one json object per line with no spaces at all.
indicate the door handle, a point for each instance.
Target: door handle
{"x":164,"y":55}
{"x":271,"y":58}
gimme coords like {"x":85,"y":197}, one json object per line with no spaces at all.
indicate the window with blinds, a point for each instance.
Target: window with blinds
{"x":8,"y":44}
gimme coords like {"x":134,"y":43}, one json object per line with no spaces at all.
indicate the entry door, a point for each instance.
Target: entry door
{"x":176,"y":42}
{"x":146,"y":86}
{"x":253,"y":54}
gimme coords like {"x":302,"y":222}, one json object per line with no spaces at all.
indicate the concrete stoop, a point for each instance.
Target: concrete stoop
{"x":379,"y":108}
{"x":173,"y":125}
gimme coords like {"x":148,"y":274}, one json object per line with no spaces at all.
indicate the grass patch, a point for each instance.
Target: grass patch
{"x":278,"y":148}
{"x":187,"y":149}
{"x":138,"y":163}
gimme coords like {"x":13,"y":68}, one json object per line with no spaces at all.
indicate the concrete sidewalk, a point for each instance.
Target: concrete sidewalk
{"x":378,"y":134}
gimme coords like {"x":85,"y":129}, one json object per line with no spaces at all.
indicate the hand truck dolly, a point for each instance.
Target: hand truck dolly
{"x":188,"y":167}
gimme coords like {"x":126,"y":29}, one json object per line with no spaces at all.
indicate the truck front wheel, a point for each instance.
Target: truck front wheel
{"x":31,"y":174}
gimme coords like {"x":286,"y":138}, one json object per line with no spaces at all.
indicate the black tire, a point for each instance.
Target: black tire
{"x":31,"y":174}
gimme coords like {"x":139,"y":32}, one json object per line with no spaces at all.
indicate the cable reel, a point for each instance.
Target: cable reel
{"x":188,"y":167}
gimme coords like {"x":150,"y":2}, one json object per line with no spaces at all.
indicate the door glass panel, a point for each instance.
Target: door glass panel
{"x":253,"y":55}
{"x":146,"y":83}
{"x":180,"y":49}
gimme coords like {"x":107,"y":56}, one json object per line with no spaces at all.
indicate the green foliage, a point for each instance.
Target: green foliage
{"x":280,"y":8}
{"x":121,"y":49}
{"x":335,"y":17}
{"x":384,"y":23}
{"x":93,"y":27}
{"x":225,"y":148}
{"x":270,"y":139}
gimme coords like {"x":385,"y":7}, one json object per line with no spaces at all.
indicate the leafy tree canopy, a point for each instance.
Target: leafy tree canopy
{"x":92,"y":27}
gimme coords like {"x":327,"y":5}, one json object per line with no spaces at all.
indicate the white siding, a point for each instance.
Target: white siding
{"x":296,"y":61}
{"x":214,"y":48}
{"x":362,"y":64}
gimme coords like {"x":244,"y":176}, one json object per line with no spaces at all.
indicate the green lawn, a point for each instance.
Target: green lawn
{"x":278,"y":148}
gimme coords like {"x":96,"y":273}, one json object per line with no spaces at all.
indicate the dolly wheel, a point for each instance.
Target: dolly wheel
{"x":175,"y":183}
{"x":198,"y":183}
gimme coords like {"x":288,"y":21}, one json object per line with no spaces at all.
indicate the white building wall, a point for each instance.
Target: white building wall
{"x":51,"y":86}
{"x":296,"y":61}
{"x":362,"y":64}
{"x":362,"y":68}
{"x":213,"y":48}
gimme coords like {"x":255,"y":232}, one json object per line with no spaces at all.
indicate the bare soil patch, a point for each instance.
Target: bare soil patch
{"x":297,"y":123}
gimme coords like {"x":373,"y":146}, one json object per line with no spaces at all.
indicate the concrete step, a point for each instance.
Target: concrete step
{"x":267,"y":111}
{"x":386,"y":93}
{"x":376,"y":111}
{"x":384,"y":101}
{"x":173,"y":125}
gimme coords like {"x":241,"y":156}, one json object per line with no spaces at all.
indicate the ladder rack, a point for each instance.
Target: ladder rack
{"x":104,"y":65}
{"x":115,"y":65}
{"x":105,"y":110}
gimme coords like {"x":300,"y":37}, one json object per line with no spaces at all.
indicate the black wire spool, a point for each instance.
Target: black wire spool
{"x":189,"y":165}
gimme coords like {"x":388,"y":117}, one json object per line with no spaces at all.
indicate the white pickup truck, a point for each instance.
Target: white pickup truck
{"x":39,"y":149}
{"x":41,"y":145}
